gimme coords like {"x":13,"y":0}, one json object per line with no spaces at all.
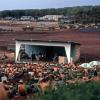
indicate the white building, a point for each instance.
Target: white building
{"x":49,"y":49}
{"x":26,"y":18}
{"x":50,"y":17}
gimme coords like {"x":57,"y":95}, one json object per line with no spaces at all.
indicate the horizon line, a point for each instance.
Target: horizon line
{"x":48,"y":8}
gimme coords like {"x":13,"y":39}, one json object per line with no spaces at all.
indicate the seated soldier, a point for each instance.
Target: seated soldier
{"x":22,"y":88}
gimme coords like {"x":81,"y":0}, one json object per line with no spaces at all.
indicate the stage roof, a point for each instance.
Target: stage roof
{"x":49,"y":41}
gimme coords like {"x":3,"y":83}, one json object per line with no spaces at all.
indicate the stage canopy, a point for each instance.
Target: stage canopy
{"x":47,"y":50}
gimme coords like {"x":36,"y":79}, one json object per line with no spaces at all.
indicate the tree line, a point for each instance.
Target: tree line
{"x":86,"y":13}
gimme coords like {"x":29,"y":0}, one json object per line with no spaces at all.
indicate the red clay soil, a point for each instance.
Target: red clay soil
{"x":90,"y":41}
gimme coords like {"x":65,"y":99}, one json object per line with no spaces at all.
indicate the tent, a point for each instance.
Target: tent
{"x":85,"y":65}
{"x":93,"y":63}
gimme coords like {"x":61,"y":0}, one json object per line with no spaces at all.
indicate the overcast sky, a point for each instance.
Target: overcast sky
{"x":41,"y":4}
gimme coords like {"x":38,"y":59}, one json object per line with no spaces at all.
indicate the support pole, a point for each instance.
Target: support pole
{"x":68,"y":52}
{"x":18,"y":45}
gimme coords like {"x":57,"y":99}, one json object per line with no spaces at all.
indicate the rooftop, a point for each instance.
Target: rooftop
{"x":49,"y":41}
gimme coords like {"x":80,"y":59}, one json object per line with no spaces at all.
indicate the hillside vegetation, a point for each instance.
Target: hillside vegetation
{"x":80,"y":13}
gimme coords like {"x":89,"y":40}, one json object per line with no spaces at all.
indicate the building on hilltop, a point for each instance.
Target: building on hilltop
{"x":50,"y":17}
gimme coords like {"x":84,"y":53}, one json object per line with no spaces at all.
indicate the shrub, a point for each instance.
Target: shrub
{"x":77,"y":91}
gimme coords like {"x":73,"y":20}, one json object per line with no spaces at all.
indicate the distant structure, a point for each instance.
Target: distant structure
{"x":40,"y":50}
{"x":27,"y":18}
{"x":50,"y":17}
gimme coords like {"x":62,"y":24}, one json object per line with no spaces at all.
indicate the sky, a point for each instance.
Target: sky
{"x":42,"y":4}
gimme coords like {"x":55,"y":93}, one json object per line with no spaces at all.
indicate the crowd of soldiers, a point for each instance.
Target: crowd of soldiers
{"x":30,"y":78}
